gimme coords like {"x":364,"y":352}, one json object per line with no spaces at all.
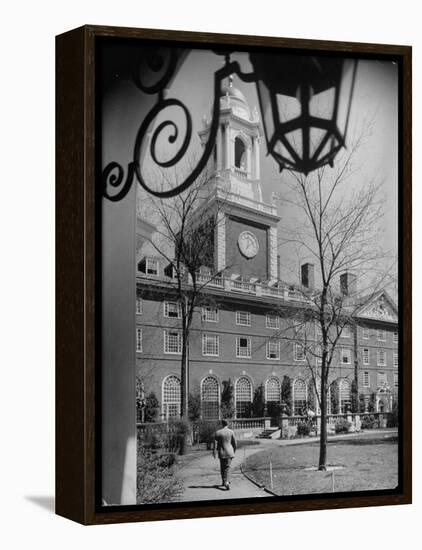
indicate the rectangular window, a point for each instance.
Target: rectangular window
{"x":273,"y":350}
{"x":172,"y":310}
{"x":318,"y":353}
{"x":381,"y":335}
{"x":395,"y":337}
{"x":139,"y":340}
{"x":299,"y":352}
{"x":382,"y":378}
{"x":395,"y":359}
{"x":381,"y":358}
{"x":243,"y":318}
{"x":345,"y":333}
{"x":152,"y":266}
{"x":172,"y":341}
{"x":210,"y":344}
{"x":366,"y":379}
{"x":138,"y":305}
{"x":272,"y":321}
{"x":366,"y":356}
{"x":210,"y":314}
{"x":365,"y":333}
{"x":345,"y":356}
{"x":243,"y":347}
{"x":396,"y":380}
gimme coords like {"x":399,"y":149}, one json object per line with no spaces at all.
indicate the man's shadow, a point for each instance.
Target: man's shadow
{"x":219,"y":487}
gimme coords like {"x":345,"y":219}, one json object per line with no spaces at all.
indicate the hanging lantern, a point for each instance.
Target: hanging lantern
{"x":305,"y":106}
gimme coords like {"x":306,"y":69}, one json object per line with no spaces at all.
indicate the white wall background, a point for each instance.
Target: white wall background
{"x":27,"y":272}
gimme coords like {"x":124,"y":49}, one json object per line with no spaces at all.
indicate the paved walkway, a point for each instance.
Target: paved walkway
{"x":201,"y":476}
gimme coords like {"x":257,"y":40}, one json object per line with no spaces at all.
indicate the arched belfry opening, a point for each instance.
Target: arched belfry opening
{"x":240,"y":154}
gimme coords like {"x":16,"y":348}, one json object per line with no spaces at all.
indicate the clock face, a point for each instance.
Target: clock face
{"x":248,"y":244}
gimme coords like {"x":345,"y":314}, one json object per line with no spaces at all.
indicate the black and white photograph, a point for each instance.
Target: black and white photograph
{"x":251,"y":334}
{"x":210,"y":285}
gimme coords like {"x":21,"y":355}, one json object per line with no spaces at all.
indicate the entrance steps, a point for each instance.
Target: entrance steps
{"x":270,"y":433}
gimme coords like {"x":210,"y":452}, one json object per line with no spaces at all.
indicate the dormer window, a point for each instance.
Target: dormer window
{"x":152,"y":266}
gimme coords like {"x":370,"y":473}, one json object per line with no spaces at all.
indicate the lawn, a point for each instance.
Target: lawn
{"x":360,"y":464}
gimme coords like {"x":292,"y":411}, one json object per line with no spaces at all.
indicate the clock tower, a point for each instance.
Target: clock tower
{"x":245,"y":239}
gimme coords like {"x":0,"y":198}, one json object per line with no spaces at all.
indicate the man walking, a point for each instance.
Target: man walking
{"x":225,"y":442}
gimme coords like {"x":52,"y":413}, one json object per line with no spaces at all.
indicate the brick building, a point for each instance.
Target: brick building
{"x":239,"y":334}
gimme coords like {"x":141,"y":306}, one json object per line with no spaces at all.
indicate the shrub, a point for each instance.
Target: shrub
{"x":286,"y":394}
{"x":156,"y":477}
{"x":303,"y":428}
{"x":178,"y":431}
{"x":355,"y":397}
{"x":334,"y":398}
{"x":274,"y":409}
{"x":151,"y":407}
{"x":342,"y":426}
{"x":227,"y":400}
{"x":258,"y":404}
{"x":368,"y":422}
{"x":194,"y":406}
{"x":393,"y":417}
{"x":206,"y":432}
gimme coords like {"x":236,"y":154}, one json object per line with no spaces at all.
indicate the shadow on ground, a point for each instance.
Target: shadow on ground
{"x":219,"y":487}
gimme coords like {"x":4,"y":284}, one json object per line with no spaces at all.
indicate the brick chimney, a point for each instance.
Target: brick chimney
{"x":307,"y":276}
{"x":348,"y":283}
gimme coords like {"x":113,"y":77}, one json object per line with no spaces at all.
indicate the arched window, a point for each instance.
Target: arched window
{"x":171,"y":396}
{"x":210,"y":398}
{"x":344,"y":395}
{"x":313,"y":397}
{"x":299,"y":397}
{"x":243,"y":397}
{"x":273,"y":390}
{"x":239,"y":154}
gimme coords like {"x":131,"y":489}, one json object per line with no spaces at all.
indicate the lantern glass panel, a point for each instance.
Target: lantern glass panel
{"x":288,"y":108}
{"x":296,"y":141}
{"x":322,"y":105}
{"x":345,"y":92}
{"x":315,"y":138}
{"x":266,"y":110}
{"x":281,"y":149}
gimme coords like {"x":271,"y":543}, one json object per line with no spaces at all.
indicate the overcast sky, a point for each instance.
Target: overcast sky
{"x":375,"y":99}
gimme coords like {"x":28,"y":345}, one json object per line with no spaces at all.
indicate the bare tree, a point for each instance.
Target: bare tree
{"x":186,"y":229}
{"x":338,"y":231}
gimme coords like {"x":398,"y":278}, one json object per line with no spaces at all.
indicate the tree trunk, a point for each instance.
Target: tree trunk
{"x":183,"y":381}
{"x":322,"y":464}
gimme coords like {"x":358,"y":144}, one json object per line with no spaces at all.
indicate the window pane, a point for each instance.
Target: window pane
{"x":273,"y":389}
{"x":272,"y":321}
{"x":243,"y":318}
{"x":210,"y":314}
{"x":243,"y":347}
{"x":172,"y":341}
{"x":210,"y":398}
{"x":273,"y":350}
{"x":172,"y":309}
{"x":299,"y":397}
{"x":171,"y":396}
{"x":138,"y":339}
{"x":243,"y":397}
{"x":210,"y":344}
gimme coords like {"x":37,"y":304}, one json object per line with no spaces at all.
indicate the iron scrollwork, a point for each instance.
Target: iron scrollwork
{"x":162,"y":65}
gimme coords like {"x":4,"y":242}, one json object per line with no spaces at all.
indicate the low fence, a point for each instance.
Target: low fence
{"x":289,"y":424}
{"x":203,"y":430}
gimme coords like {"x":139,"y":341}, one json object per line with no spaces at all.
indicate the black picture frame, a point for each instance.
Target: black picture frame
{"x":78,"y":276}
